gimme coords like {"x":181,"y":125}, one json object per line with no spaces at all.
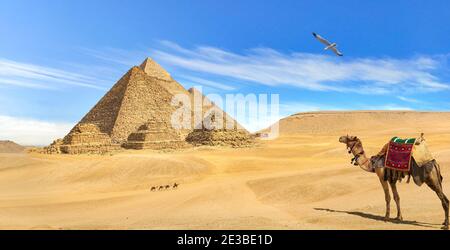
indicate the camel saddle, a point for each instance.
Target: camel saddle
{"x":400,"y":153}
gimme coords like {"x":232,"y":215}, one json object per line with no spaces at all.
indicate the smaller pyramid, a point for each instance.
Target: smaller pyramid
{"x":87,"y":138}
{"x":54,"y":147}
{"x":156,"y":134}
{"x":220,"y":137}
{"x":214,"y":134}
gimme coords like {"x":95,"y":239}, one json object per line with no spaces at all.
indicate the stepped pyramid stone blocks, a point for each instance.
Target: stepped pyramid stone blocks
{"x":220,"y":137}
{"x":87,"y":138}
{"x":213,"y":130}
{"x":213,"y":134}
{"x":136,"y":113}
{"x":156,"y":134}
{"x":153,"y":69}
{"x":54,"y":148}
{"x":133,"y":101}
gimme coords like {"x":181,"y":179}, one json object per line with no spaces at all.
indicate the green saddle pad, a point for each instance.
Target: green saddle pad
{"x":403,"y":141}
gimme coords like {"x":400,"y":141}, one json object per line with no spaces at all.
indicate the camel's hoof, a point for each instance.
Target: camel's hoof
{"x":399,"y":218}
{"x":386,"y":219}
{"x":445,"y":227}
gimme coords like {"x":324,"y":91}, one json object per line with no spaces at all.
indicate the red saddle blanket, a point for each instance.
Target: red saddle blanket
{"x":399,"y":154}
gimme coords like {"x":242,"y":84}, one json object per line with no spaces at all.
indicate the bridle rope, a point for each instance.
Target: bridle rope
{"x":357,"y":155}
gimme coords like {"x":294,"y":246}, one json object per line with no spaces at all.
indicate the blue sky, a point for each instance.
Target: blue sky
{"x":58,"y":58}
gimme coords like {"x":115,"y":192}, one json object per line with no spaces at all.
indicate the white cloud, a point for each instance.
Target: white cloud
{"x":270,"y":67}
{"x":23,"y":83}
{"x":410,"y":100}
{"x":30,"y":131}
{"x":203,"y":82}
{"x":36,"y":76}
{"x":122,"y":57}
{"x":309,"y":71}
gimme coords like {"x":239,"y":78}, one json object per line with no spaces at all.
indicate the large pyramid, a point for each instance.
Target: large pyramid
{"x":136,"y":113}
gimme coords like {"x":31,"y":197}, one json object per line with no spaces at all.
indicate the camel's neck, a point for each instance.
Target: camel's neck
{"x":363,"y":162}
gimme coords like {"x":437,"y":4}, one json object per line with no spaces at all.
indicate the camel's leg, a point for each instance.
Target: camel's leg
{"x":434,"y":182}
{"x":397,"y":200}
{"x":387,"y":196}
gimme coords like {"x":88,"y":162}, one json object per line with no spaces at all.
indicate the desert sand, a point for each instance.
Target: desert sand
{"x":302,"y":180}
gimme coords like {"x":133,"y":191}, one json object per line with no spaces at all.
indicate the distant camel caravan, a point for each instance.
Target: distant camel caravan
{"x":429,"y":172}
{"x":166,"y":187}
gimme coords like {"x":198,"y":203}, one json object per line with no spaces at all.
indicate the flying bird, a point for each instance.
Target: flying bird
{"x":332,"y":46}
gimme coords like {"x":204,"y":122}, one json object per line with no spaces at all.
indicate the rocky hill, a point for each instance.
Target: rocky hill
{"x":10,"y":147}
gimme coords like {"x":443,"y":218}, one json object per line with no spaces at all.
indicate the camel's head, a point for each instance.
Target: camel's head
{"x":353,"y":144}
{"x":347,"y":139}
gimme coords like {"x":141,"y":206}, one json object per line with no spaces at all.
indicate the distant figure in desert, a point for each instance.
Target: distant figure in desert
{"x":396,"y":160}
{"x":166,"y":187}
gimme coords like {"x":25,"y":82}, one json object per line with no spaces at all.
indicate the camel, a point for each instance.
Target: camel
{"x":429,"y":173}
{"x":161,"y":188}
{"x":153,"y":189}
{"x":175,"y":185}
{"x":167,"y":187}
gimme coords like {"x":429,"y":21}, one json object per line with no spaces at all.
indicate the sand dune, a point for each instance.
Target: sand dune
{"x":364,"y":122}
{"x":302,"y":180}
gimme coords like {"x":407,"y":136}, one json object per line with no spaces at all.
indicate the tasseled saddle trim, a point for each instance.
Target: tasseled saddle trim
{"x":393,"y":176}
